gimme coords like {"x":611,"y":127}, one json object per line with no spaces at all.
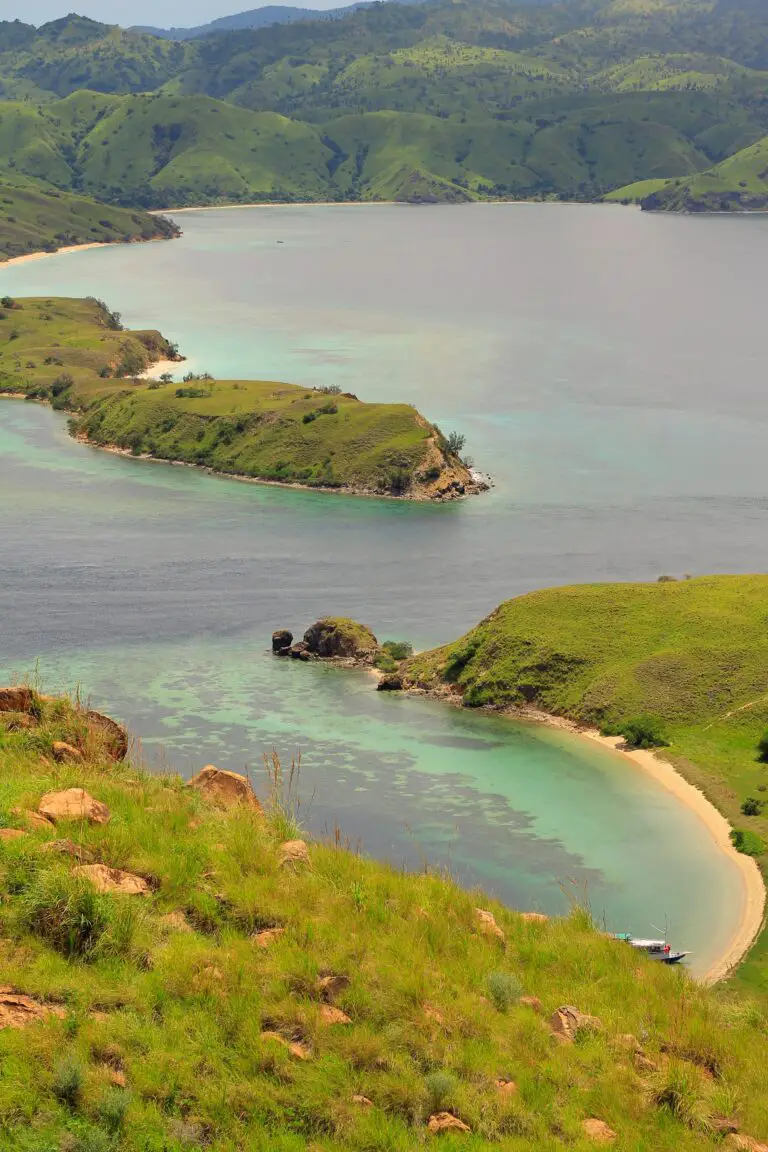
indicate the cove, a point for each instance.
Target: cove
{"x":152,"y":590}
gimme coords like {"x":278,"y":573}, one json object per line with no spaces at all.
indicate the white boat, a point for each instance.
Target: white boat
{"x":656,"y":949}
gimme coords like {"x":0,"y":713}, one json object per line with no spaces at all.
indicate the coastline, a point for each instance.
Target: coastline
{"x":665,"y":773}
{"x":26,"y":259}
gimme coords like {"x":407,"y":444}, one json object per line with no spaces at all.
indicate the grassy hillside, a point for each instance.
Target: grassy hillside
{"x":439,"y":101}
{"x":693,"y":654}
{"x":33,"y":219}
{"x":75,"y":354}
{"x":255,"y":996}
{"x":739,"y":183}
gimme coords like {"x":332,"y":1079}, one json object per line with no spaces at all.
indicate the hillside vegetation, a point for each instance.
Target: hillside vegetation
{"x":76,"y":355}
{"x":438,"y":101}
{"x":737,"y":184}
{"x":692,"y":655}
{"x":34,"y":219}
{"x":180,"y":969}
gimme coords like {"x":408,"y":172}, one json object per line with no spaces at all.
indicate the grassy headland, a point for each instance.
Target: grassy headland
{"x":38,"y":219}
{"x":690,"y":657}
{"x":253,"y":995}
{"x":75,"y":354}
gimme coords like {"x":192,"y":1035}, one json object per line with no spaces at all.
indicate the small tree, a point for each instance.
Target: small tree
{"x":762,"y":748}
{"x":751,"y":806}
{"x":455,"y":442}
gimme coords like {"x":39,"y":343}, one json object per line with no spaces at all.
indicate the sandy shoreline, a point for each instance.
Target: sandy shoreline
{"x":753,"y":907}
{"x":59,"y":252}
{"x":156,"y":370}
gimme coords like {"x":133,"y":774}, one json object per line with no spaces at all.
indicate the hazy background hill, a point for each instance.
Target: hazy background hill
{"x":425,"y":101}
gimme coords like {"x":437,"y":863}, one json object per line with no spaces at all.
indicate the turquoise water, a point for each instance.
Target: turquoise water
{"x":608,"y":369}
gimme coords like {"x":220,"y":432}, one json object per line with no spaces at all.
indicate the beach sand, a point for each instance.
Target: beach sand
{"x":156,"y":370}
{"x":58,"y":252}
{"x":753,"y":907}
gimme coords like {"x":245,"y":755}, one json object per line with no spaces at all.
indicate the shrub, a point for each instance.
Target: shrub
{"x":385,"y":663}
{"x":645,"y":731}
{"x":112,"y":1109}
{"x":68,"y":1081}
{"x":504,"y":990}
{"x":61,"y":384}
{"x":8,"y":302}
{"x":398,"y":649}
{"x":455,"y":442}
{"x":762,"y":748}
{"x":751,"y":807}
{"x":440,"y":1088}
{"x":747,"y":842}
{"x":76,"y":920}
{"x":667,"y":580}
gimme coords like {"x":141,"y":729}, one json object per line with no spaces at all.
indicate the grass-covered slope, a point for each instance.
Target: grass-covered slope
{"x":76,"y":354}
{"x":328,"y":1002}
{"x":34,"y":219}
{"x":739,"y":183}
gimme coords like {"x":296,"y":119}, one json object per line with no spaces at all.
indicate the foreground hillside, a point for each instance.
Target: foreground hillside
{"x":684,"y":662}
{"x":739,"y":183}
{"x":76,"y":355}
{"x":34,"y":219}
{"x":180,"y":970}
{"x":422,"y":102}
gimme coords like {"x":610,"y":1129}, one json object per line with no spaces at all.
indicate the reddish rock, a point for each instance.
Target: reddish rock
{"x":362,"y":1101}
{"x":73,"y":804}
{"x":330,"y":986}
{"x":35,"y":820}
{"x":330,"y":1015}
{"x":598,"y":1131}
{"x":446,"y":1122}
{"x":506,"y":1087}
{"x":532,"y":1002}
{"x":267,"y":936}
{"x":567,"y":1021}
{"x":116,"y":1078}
{"x":176,"y":922}
{"x":225,"y":789}
{"x":486,"y":923}
{"x":68,"y":848}
{"x":114,"y":736}
{"x":9,"y":834}
{"x":16,"y":699}
{"x":63,"y":752}
{"x":300,"y":1051}
{"x":740,"y":1143}
{"x":294,"y":854}
{"x":17,"y":1010}
{"x":534,"y":917}
{"x":106,"y":879}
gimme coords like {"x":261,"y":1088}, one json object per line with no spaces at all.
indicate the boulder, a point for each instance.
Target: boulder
{"x":294,"y":854}
{"x":330,"y":1015}
{"x":73,"y":804}
{"x":362,"y":1101}
{"x":68,"y":848}
{"x":116,"y":1078}
{"x":446,"y":1122}
{"x":17,"y":1010}
{"x":737,"y":1142}
{"x":506,"y":1087}
{"x":332,"y":985}
{"x":300,"y":1051}
{"x":225,"y":789}
{"x":531,"y":1002}
{"x":299,"y":652}
{"x":16,"y":699}
{"x":176,"y":921}
{"x":643,"y":1063}
{"x":113,"y":735}
{"x":486,"y":923}
{"x":392,"y":682}
{"x":336,"y":636}
{"x":34,"y":819}
{"x":8,"y":834}
{"x":567,"y":1021}
{"x":105,"y":879}
{"x":281,"y":641}
{"x":598,"y":1131}
{"x":534,"y":917}
{"x":63,"y":752}
{"x":20,"y":721}
{"x":267,"y":936}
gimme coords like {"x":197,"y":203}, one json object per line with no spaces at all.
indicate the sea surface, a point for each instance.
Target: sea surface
{"x":609,"y":371}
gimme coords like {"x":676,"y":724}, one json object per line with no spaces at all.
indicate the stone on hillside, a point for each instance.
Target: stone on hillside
{"x":105,"y":879}
{"x":362,"y":1101}
{"x":73,"y":804}
{"x":299,"y":651}
{"x":431,"y":1013}
{"x":598,"y":1131}
{"x":16,"y":699}
{"x":644,"y":1063}
{"x":534,"y":917}
{"x":531,"y":1002}
{"x":446,"y":1122}
{"x":337,"y":637}
{"x":267,"y":936}
{"x":567,"y":1021}
{"x":486,"y":923}
{"x":176,"y":921}
{"x":392,"y":682}
{"x":281,"y":641}
{"x":225,"y":789}
{"x":20,"y":721}
{"x":737,"y":1142}
{"x":506,"y":1087}
{"x":332,"y":985}
{"x":116,"y":1078}
{"x":17,"y":1010}
{"x":628,"y":1042}
{"x":294,"y":854}
{"x":35,"y":820}
{"x":114,"y":735}
{"x":63,"y":752}
{"x":331,"y":1015}
{"x":8,"y":834}
{"x":68,"y":848}
{"x":300,"y":1051}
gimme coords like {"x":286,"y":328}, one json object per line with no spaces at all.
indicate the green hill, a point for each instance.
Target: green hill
{"x":739,"y":183}
{"x":181,"y":970}
{"x":34,"y":219}
{"x":498,"y":98}
{"x":76,"y":355}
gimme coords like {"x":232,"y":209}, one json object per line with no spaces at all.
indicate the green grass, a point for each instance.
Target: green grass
{"x":634,"y":193}
{"x":159,"y":1042}
{"x":737,"y":184}
{"x":74,"y":354}
{"x":34,"y":219}
{"x":692,"y":654}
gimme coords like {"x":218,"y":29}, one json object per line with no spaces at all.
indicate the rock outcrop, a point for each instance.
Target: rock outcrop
{"x":598,"y":1131}
{"x":73,"y":804}
{"x":113,"y":735}
{"x":17,"y":1010}
{"x":225,"y":789}
{"x":567,"y":1021}
{"x":446,"y":1122}
{"x":16,"y":699}
{"x":105,"y":879}
{"x":63,"y":752}
{"x":294,"y":854}
{"x":337,"y":637}
{"x":281,"y":640}
{"x":486,"y":924}
{"x":392,"y":682}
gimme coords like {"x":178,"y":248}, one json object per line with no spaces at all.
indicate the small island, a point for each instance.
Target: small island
{"x":76,"y":355}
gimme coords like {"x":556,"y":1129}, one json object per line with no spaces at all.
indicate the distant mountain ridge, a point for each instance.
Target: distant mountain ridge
{"x":263,"y":17}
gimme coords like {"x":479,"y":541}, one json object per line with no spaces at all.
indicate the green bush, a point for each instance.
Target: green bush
{"x":69,"y":914}
{"x":398,"y":649}
{"x":762,"y":748}
{"x":645,"y":731}
{"x":113,"y":1107}
{"x":68,"y":1081}
{"x":751,"y":807}
{"x":504,"y":990}
{"x":747,"y":842}
{"x":441,"y":1087}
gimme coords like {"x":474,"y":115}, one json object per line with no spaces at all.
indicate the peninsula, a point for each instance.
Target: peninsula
{"x":76,"y":355}
{"x":183,"y":967}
